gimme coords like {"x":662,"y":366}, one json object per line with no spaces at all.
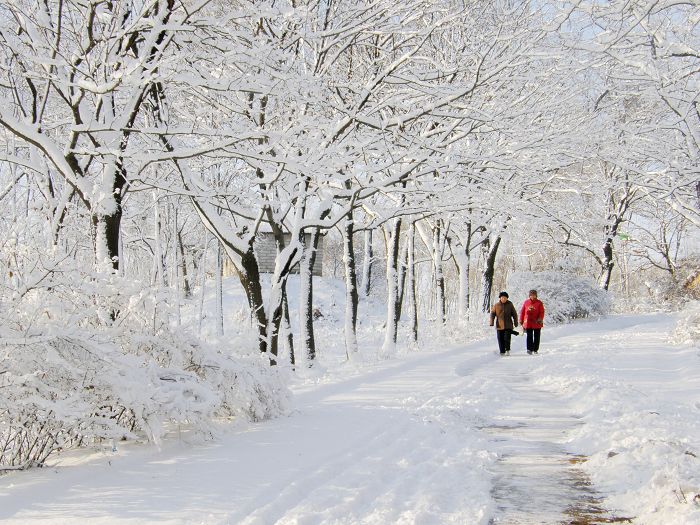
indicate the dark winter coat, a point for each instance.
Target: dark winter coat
{"x":506,"y":314}
{"x":532,"y":314}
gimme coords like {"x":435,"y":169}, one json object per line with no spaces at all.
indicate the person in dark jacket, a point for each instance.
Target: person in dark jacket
{"x":532,"y":319}
{"x":505,"y":317}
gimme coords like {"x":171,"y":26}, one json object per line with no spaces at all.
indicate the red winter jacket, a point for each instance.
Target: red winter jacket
{"x":532,"y":314}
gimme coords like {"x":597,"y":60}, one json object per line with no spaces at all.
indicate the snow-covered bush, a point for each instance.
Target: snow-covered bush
{"x":99,"y":360}
{"x":565,"y":296}
{"x":674,"y":291}
{"x":66,"y":390}
{"x":688,"y":327}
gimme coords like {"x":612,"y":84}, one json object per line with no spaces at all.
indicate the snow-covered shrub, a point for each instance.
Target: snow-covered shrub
{"x":674,"y":291}
{"x":246,"y":386}
{"x":65,"y":390}
{"x":688,"y":328}
{"x":98,"y":358}
{"x":565,"y":296}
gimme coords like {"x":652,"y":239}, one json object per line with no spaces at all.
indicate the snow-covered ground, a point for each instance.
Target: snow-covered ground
{"x":444,"y":435}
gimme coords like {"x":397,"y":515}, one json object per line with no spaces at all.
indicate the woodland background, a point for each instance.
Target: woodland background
{"x":440,"y":150}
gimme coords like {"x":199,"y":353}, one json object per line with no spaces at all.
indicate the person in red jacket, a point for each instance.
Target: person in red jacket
{"x":532,"y":320}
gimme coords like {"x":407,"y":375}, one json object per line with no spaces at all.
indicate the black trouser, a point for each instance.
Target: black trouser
{"x":503,"y":337}
{"x":533,"y":339}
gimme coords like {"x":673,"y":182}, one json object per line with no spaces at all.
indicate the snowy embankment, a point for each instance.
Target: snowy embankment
{"x":639,"y":396}
{"x":406,"y":441}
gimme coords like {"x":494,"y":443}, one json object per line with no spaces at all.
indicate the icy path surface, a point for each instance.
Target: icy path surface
{"x":537,"y":479}
{"x":457,"y":436}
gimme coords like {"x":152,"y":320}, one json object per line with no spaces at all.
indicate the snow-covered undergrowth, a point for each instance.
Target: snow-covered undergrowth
{"x":641,"y":407}
{"x":688,"y":328}
{"x":566,"y":296}
{"x":73,"y":376}
{"x":674,"y":291}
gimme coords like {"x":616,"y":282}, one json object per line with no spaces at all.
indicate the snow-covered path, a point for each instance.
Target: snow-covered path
{"x":452,"y":436}
{"x":537,"y":479}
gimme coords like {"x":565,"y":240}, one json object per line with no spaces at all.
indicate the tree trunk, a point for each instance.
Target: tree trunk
{"x":114,"y":220}
{"x":186,"y":288}
{"x":176,"y":268}
{"x":411,"y":285}
{"x":392,"y":321}
{"x":463,"y":262}
{"x":59,"y":216}
{"x":614,"y":221}
{"x":102,"y":260}
{"x":367,"y":264}
{"x":306,"y":295}
{"x":113,"y":227}
{"x":157,"y":246}
{"x":202,"y":287}
{"x":219,"y":291}
{"x":608,"y":264}
{"x":462,"y":256}
{"x":249,"y":275}
{"x":107,"y":227}
{"x":351,"y":295}
{"x":288,"y":329}
{"x":278,"y":289}
{"x":438,"y":248}
{"x":487,"y":277}
{"x":278,"y":292}
{"x":402,"y":271}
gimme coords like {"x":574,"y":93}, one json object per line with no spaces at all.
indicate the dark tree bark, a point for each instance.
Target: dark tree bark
{"x":411,"y":285}
{"x":489,"y":270}
{"x":402,"y":271}
{"x":608,"y":264}
{"x":351,"y":296}
{"x":219,"y":290}
{"x":249,"y":275}
{"x":306,"y":291}
{"x":113,"y":222}
{"x":618,"y":207}
{"x":186,"y":288}
{"x":281,"y":312}
{"x":367,"y":264}
{"x":276,"y":305}
{"x":288,"y":329}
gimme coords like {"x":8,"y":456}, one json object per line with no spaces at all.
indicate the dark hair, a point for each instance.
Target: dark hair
{"x":503,"y":294}
{"x":532,"y":292}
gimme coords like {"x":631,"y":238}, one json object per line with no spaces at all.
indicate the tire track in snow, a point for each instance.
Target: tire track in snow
{"x":408,"y":462}
{"x":280,"y":500}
